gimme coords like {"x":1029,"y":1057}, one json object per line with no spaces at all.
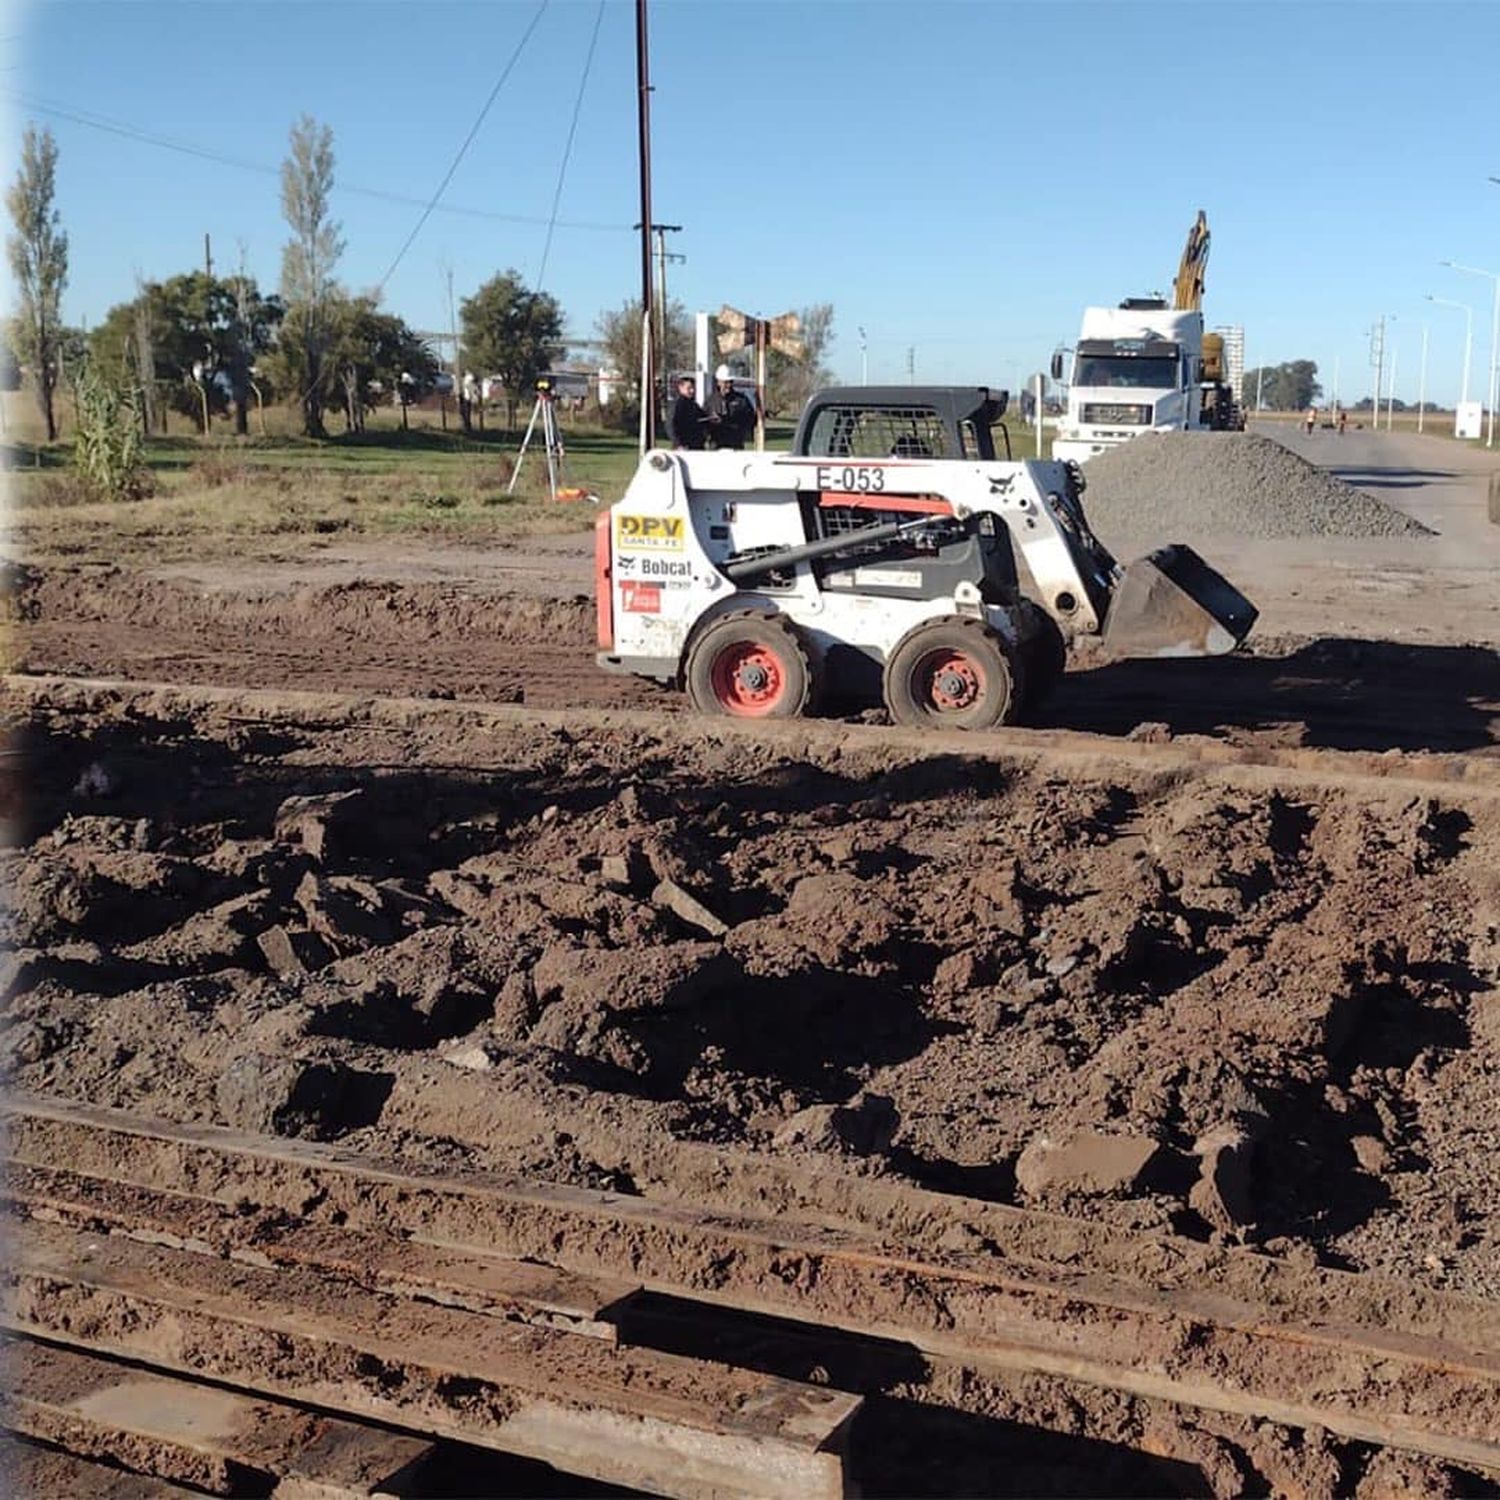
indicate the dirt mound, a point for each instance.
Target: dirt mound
{"x":364,"y":610}
{"x":1179,"y":486}
{"x":660,"y":961}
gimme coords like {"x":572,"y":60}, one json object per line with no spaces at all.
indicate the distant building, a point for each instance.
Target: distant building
{"x":1234,"y":357}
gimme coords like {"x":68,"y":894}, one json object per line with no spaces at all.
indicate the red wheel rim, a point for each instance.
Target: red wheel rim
{"x":748,"y":679}
{"x":948,"y":681}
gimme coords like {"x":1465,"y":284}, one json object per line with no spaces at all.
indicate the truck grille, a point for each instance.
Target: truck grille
{"x":1102,"y":414}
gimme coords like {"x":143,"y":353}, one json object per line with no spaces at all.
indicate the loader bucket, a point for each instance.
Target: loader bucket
{"x":1173,"y":604}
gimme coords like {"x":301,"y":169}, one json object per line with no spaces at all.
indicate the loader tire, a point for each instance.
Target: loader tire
{"x":1046,"y":654}
{"x":751,"y":666}
{"x":953,"y":673}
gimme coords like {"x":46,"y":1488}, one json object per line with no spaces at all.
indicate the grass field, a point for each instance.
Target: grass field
{"x":221,"y":495}
{"x":218,"y":495}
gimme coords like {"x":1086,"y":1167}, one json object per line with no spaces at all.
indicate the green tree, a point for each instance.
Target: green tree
{"x":372,"y":353}
{"x":307,"y":261}
{"x":511,"y":332}
{"x":224,"y":325}
{"x":1291,"y":386}
{"x":38,"y":253}
{"x":619,"y":332}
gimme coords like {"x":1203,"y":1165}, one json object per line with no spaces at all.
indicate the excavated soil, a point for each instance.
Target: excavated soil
{"x":746,"y":972}
{"x":1161,"y":999}
{"x":447,"y":641}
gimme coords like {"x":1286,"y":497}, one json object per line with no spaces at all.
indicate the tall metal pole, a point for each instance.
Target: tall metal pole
{"x":1489,"y":441}
{"x":1468,"y":313}
{"x":661,"y":298}
{"x":1390,"y":391}
{"x":1468,"y":347}
{"x":1491,"y":386}
{"x":864,"y":358}
{"x":1422,"y":384}
{"x":648,"y":362}
{"x":458,"y":374}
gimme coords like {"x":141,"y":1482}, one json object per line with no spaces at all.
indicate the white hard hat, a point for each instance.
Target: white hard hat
{"x":723,"y":373}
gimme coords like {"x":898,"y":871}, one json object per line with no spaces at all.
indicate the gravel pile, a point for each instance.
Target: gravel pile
{"x":1180,"y":486}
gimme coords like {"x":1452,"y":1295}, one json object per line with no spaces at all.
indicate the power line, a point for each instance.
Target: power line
{"x":562,"y":171}
{"x":143,"y":137}
{"x":468,"y":140}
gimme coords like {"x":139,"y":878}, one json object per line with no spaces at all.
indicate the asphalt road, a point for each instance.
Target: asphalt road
{"x":1441,"y":483}
{"x":1440,"y":588}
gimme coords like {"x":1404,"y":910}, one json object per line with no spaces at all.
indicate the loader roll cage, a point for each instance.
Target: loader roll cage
{"x":903,"y":421}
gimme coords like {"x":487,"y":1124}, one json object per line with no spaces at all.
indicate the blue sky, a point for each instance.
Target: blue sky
{"x":958,"y":179}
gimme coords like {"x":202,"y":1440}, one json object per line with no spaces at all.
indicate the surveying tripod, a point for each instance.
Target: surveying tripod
{"x":544,"y":409}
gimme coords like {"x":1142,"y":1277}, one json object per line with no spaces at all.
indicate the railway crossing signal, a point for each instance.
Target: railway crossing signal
{"x":738,"y":330}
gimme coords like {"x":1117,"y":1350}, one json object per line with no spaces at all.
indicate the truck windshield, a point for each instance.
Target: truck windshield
{"x":1133,"y":371}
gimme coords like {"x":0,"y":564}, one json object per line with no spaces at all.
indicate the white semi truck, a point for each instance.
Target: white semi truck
{"x":1147,"y":366}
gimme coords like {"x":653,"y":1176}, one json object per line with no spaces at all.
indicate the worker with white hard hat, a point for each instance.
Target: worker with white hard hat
{"x":731,"y":414}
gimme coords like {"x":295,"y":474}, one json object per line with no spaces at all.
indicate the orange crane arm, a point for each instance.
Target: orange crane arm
{"x":1188,"y":288}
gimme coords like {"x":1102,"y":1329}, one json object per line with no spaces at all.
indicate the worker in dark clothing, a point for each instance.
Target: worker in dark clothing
{"x":731,"y":414}
{"x":688,"y":422}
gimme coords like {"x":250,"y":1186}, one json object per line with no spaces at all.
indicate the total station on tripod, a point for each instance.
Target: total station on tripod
{"x":551,"y":438}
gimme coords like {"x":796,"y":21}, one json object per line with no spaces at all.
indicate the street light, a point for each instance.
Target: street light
{"x":1453,"y":265}
{"x":864,"y":358}
{"x":1468,"y":313}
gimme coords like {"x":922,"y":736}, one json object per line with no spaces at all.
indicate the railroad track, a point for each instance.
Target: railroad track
{"x":204,"y":1304}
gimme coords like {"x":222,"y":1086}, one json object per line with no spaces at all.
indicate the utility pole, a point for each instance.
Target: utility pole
{"x":643,"y":123}
{"x":1377,"y":359}
{"x":661,"y":231}
{"x":208,"y":258}
{"x":911,"y":364}
{"x":864,"y":357}
{"x":1390,"y":393}
{"x":458,"y":395}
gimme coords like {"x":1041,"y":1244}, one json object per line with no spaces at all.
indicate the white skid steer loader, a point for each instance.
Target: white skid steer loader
{"x":879,"y":559}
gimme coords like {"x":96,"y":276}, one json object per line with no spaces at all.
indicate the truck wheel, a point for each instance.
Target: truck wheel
{"x":1046,"y":659}
{"x":750,"y":666}
{"x":953,"y":674}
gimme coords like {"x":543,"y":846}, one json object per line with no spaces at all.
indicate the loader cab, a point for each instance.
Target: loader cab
{"x":904,"y":421}
{"x":921,"y":423}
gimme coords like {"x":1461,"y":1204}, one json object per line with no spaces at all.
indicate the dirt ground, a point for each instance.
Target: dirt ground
{"x":1233,"y":979}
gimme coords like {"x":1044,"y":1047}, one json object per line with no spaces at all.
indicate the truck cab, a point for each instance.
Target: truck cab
{"x":1136,"y":368}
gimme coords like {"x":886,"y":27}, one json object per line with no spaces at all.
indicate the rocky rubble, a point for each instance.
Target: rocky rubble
{"x":1267,"y":1017}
